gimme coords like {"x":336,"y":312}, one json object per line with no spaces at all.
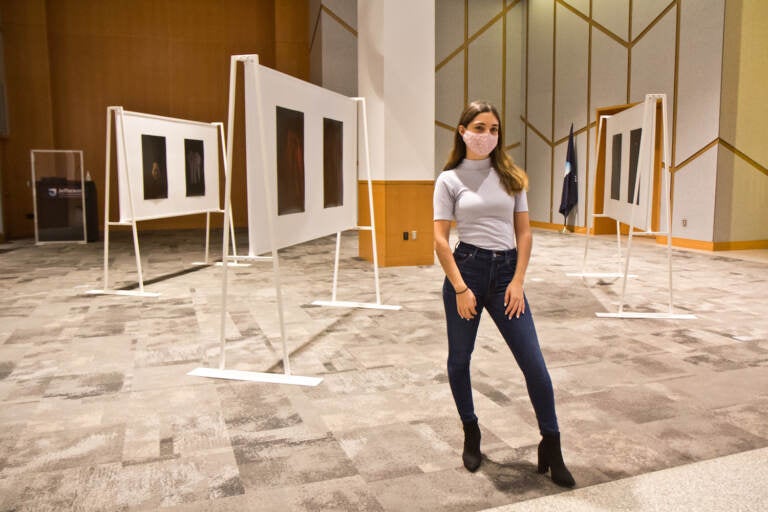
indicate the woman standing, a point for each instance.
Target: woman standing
{"x":484,"y":192}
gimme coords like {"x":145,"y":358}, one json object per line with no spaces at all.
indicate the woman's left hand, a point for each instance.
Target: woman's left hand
{"x":514,"y":300}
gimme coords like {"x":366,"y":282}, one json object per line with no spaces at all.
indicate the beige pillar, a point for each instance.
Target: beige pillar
{"x":396,"y":76}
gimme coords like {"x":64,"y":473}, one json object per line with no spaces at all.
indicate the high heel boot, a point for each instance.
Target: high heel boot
{"x":471,"y":455}
{"x":551,"y":457}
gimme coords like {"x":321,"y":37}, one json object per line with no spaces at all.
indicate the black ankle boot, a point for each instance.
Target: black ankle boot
{"x":550,"y":457}
{"x":471,"y":455}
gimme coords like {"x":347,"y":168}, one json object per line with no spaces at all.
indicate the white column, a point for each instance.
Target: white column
{"x":396,"y":75}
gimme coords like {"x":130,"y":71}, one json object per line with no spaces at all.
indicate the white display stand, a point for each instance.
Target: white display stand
{"x":637,"y":212}
{"x":592,"y":215}
{"x":59,"y":193}
{"x":169,"y":138}
{"x":372,"y":228}
{"x":266,"y":90}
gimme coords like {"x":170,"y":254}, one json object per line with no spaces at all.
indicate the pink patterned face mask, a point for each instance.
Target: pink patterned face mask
{"x":480,"y":143}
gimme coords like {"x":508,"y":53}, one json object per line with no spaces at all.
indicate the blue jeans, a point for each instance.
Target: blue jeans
{"x":487,"y":273}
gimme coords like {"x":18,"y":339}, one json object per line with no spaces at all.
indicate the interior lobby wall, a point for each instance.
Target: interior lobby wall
{"x":333,"y":44}
{"x":479,"y":47}
{"x":66,"y":61}
{"x":742,"y":181}
{"x":30,"y":113}
{"x":582,"y":55}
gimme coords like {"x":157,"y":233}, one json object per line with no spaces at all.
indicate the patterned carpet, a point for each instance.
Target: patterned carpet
{"x":97,"y":412}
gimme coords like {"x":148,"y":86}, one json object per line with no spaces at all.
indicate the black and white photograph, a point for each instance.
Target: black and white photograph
{"x":634,"y":159}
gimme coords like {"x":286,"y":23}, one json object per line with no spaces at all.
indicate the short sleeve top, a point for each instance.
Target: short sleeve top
{"x":472,"y":194}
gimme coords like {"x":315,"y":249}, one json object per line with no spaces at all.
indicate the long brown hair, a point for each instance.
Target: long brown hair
{"x":513,"y":178}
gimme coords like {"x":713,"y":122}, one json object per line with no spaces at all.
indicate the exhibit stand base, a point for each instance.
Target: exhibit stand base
{"x":655,"y":316}
{"x":599,"y":274}
{"x":345,"y":304}
{"x":237,"y":261}
{"x":274,"y":378}
{"x":651,"y":159}
{"x":132,"y":293}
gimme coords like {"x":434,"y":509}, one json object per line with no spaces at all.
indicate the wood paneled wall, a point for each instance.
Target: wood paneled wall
{"x":400,"y":206}
{"x":67,"y":60}
{"x":28,"y":89}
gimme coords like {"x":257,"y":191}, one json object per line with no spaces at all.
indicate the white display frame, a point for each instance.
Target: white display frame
{"x":635,"y":213}
{"x":78,"y":152}
{"x":591,"y":216}
{"x":255,"y":122}
{"x":129,"y":173}
{"x":313,"y":103}
{"x":644,"y":183}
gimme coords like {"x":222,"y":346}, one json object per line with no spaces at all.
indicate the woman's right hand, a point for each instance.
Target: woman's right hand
{"x":466,"y":304}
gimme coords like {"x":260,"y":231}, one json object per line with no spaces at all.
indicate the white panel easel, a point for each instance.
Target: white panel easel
{"x":372,"y":228}
{"x":221,"y":372}
{"x":643,"y":180}
{"x":129,"y":216}
{"x":253,"y":72}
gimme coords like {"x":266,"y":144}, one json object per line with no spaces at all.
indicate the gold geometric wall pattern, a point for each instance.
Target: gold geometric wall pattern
{"x":582,"y":31}
{"x":478,"y":55}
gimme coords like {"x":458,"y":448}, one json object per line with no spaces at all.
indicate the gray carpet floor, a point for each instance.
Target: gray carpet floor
{"x":97,"y":411}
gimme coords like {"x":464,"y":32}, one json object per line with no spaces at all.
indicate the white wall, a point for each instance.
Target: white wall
{"x":396,"y":62}
{"x":698,"y":117}
{"x":742,"y":184}
{"x":333,"y":45}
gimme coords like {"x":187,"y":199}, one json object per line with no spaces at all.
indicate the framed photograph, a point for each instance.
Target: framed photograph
{"x":194,"y":167}
{"x":634,"y":158}
{"x":155,"y":169}
{"x":290,"y":161}
{"x":616,"y":167}
{"x":333,"y":157}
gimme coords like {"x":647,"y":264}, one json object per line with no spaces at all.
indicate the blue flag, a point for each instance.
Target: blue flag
{"x":570,"y":195}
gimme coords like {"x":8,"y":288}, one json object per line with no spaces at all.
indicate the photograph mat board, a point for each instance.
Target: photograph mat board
{"x":316,"y":103}
{"x":130,"y":166}
{"x":617,"y":201}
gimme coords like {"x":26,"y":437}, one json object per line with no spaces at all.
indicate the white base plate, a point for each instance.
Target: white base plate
{"x":249,"y":258}
{"x":233,"y":264}
{"x":599,"y":274}
{"x":343,"y":304}
{"x":629,"y":314}
{"x":274,"y":378}
{"x":132,"y":293}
